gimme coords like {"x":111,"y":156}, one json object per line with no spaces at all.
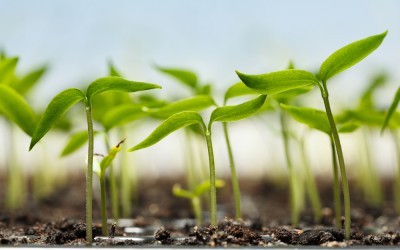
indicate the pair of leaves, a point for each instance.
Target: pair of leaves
{"x":199,"y":190}
{"x":100,"y":169}
{"x":284,"y":80}
{"x":186,"y":118}
{"x":62,"y":102}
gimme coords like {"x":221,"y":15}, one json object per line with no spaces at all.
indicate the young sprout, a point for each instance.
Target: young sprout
{"x":16,"y":109}
{"x":317,"y":119}
{"x":186,"y":118}
{"x":62,"y":102}
{"x":195,"y":195}
{"x":100,"y":170}
{"x":388,"y":120}
{"x":342,"y":59}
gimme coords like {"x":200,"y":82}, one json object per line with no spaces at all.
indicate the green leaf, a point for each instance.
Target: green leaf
{"x":238,"y":89}
{"x":237,"y":112}
{"x":366,"y":100}
{"x":204,"y":187}
{"x":313,"y":118}
{"x":15,"y":108}
{"x":348,"y":127}
{"x":75,"y":142}
{"x":186,"y":77}
{"x":392,"y":109}
{"x":60,"y":104}
{"x":123,"y":114}
{"x":204,"y":90}
{"x":112,"y":70}
{"x":27,"y":82}
{"x":170,"y":125}
{"x":279,"y":81}
{"x":109,"y":158}
{"x":196,"y":103}
{"x":178,"y":191}
{"x":7,"y":69}
{"x":349,"y":55}
{"x":116,"y":84}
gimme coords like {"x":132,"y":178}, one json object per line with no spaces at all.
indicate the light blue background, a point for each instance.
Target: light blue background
{"x":211,"y":37}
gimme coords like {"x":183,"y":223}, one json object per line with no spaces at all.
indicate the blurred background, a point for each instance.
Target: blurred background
{"x":76,"y":39}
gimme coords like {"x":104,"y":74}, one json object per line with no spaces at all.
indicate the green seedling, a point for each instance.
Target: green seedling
{"x":317,"y":119}
{"x":195,"y":195}
{"x":240,"y":89}
{"x":100,"y":170}
{"x":17,"y":110}
{"x":390,"y":118}
{"x":370,"y":118}
{"x":186,"y":118}
{"x":187,"y":78}
{"x":62,"y":102}
{"x":342,"y":59}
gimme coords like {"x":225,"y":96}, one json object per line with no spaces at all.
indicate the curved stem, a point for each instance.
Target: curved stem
{"x":213,"y":191}
{"x":89,"y":175}
{"x":235,"y":181}
{"x":339,"y":151}
{"x":104,"y":227}
{"x":336,"y":187}
{"x":294,"y":199}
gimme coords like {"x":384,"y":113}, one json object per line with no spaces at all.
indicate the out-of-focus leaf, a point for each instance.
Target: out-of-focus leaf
{"x":186,"y":77}
{"x":195,"y":103}
{"x":27,"y":82}
{"x":313,"y":118}
{"x":16,"y":109}
{"x":123,"y":114}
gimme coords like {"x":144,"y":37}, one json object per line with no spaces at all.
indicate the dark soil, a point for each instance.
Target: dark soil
{"x":162,"y":219}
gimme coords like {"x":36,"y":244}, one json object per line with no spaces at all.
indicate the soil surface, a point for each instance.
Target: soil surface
{"x":159,"y":218}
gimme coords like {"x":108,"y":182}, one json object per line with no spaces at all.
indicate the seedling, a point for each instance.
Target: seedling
{"x":342,"y":59}
{"x":317,"y":119}
{"x":100,"y":170}
{"x":62,"y":102}
{"x":388,"y":118}
{"x":195,"y":195}
{"x":186,"y":118}
{"x":15,"y":89}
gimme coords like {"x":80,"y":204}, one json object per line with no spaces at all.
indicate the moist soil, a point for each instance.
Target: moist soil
{"x":160,"y":219}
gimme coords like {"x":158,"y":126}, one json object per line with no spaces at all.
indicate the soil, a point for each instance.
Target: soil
{"x":159,"y":219}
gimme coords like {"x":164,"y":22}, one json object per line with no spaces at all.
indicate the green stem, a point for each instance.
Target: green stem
{"x":371,"y":184}
{"x":16,"y":185}
{"x":311,"y":185}
{"x":336,"y":187}
{"x":104,"y":227}
{"x":196,"y":204}
{"x":113,"y":185}
{"x":294,"y":204}
{"x":339,"y":151}
{"x":235,"y":181}
{"x":89,"y":175}
{"x":213,"y":191}
{"x":128,"y":181}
